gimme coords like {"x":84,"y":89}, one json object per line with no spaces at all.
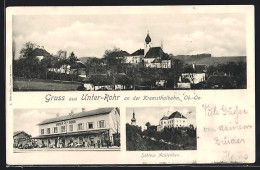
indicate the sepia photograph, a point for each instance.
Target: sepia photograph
{"x":66,"y":130}
{"x":108,"y":52}
{"x":161,"y":128}
{"x":130,"y":85}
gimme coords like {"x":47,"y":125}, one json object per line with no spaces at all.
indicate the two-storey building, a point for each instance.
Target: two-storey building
{"x":87,"y":128}
{"x":176,"y":119}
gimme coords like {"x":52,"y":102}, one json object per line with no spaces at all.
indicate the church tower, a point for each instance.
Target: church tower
{"x":133,"y":120}
{"x":147,"y":44}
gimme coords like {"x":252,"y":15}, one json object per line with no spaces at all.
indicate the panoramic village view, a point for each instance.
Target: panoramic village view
{"x":164,"y":129}
{"x":148,"y":68}
{"x":97,"y":53}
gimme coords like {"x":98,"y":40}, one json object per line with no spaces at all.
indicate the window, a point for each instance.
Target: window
{"x":48,"y":130}
{"x":101,"y":124}
{"x":62,"y":128}
{"x":71,"y":127}
{"x":42,"y":131}
{"x":55,"y":129}
{"x":90,"y":125}
{"x":80,"y":126}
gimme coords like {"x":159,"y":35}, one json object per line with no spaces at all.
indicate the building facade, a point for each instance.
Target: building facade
{"x":152,"y":57}
{"x":176,"y":119}
{"x":21,"y":138}
{"x":98,"y":127}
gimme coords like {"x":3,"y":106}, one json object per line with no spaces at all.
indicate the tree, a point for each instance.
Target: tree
{"x":72,"y":57}
{"x":31,"y":63}
{"x":13,"y":49}
{"x":116,"y":123}
{"x":62,"y":54}
{"x":147,"y":124}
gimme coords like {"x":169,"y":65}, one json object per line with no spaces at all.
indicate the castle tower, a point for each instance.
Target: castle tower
{"x":133,"y":120}
{"x":147,"y":44}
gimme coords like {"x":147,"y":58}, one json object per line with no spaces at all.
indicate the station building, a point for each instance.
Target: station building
{"x":87,"y":128}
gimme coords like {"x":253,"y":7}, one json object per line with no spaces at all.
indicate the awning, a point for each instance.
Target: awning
{"x":71,"y":134}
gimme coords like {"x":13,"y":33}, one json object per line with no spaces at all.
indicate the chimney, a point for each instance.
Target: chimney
{"x":83,"y":109}
{"x":71,"y":113}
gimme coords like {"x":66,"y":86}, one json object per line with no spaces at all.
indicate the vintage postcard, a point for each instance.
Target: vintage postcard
{"x":130,"y":85}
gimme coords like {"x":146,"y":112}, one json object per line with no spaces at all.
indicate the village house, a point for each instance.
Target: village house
{"x":21,"y":138}
{"x":176,"y":119}
{"x":96,"y":82}
{"x":78,"y":68}
{"x":135,"y":58}
{"x":196,"y":76}
{"x":160,"y":83}
{"x":99,"y":127}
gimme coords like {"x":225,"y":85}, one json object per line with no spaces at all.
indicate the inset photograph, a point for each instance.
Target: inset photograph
{"x":161,"y":128}
{"x":66,"y":129}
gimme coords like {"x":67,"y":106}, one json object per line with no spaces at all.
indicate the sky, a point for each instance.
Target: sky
{"x":222,"y":34}
{"x":154,"y":114}
{"x":27,"y":119}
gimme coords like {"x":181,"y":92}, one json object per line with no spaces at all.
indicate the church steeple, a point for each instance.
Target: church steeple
{"x":148,"y":38}
{"x":133,"y":120}
{"x":148,"y":43}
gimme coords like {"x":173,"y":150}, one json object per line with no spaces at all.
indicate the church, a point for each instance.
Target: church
{"x":151,"y":57}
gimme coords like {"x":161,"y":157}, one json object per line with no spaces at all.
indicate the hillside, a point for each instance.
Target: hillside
{"x":85,"y":59}
{"x":209,"y":60}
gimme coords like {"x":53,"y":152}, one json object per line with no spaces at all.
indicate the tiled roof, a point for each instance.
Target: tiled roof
{"x":105,"y":79}
{"x":154,"y":52}
{"x":164,"y":118}
{"x":122,"y":78}
{"x":77,"y":64}
{"x":116,"y":54}
{"x":176,"y":115}
{"x":138,"y":52}
{"x":200,"y":68}
{"x":78,"y":115}
{"x":99,"y":79}
{"x":18,"y":132}
{"x":40,"y":52}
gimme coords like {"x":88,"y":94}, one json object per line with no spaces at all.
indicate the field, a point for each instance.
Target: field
{"x":211,"y":60}
{"x":42,"y":85}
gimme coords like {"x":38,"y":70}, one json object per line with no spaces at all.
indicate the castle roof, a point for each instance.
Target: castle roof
{"x":176,"y":115}
{"x":164,"y":118}
{"x":138,"y":52}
